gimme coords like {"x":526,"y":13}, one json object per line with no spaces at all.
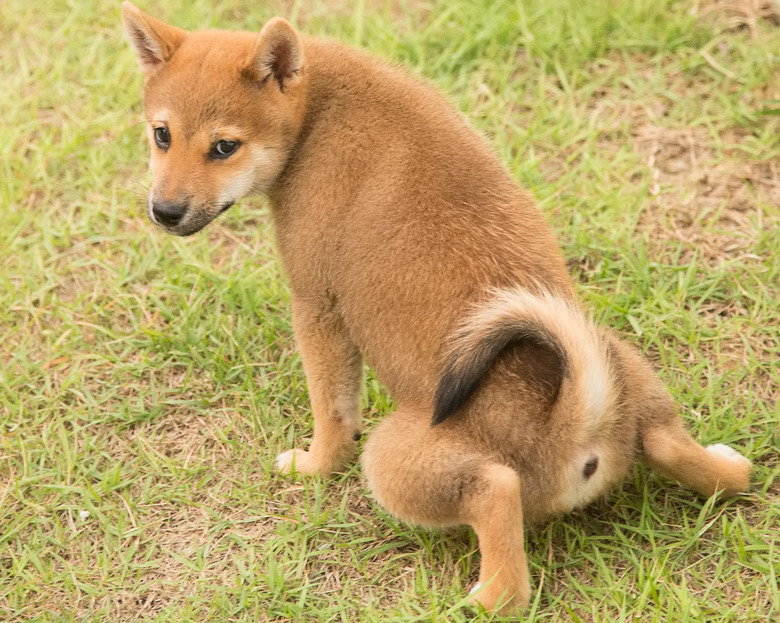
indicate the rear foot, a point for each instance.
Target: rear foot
{"x":727,"y":452}
{"x":737,"y":478}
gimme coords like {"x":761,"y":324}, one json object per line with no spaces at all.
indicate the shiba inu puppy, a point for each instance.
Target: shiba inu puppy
{"x":408,"y":246}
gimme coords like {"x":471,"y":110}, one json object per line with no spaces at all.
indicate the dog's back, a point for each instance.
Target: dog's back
{"x":405,"y":211}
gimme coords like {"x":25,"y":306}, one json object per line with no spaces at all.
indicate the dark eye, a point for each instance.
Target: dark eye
{"x":162,"y":137}
{"x":223,"y":149}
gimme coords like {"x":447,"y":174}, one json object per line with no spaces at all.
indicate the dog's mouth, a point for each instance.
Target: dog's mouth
{"x":192,"y":223}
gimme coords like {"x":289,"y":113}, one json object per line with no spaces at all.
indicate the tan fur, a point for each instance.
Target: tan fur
{"x":408,"y":245}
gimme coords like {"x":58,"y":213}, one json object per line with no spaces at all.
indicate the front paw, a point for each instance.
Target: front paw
{"x":296,"y":461}
{"x":501,"y":599}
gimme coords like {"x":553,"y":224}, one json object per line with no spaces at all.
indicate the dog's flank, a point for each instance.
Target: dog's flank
{"x":408,"y":245}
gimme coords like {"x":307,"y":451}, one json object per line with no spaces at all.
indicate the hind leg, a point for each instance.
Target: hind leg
{"x":672,"y":452}
{"x":431,"y":476}
{"x":667,"y":447}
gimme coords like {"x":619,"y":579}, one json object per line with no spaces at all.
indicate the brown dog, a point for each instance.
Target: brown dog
{"x":407,"y":244}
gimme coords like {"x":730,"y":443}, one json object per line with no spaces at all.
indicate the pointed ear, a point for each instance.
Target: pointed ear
{"x":154,"y":42}
{"x":277,"y":54}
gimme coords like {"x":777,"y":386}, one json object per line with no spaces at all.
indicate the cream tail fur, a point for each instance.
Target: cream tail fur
{"x":541,"y":316}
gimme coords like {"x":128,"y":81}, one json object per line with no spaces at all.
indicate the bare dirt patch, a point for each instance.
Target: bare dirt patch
{"x":739,"y":14}
{"x":713,"y":204}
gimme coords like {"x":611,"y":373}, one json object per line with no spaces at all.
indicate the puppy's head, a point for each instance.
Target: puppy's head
{"x":223,"y":110}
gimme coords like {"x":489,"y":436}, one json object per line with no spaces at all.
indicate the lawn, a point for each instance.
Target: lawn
{"x":148,"y":382}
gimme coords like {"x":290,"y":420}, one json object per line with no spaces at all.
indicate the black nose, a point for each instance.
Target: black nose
{"x":168,"y":213}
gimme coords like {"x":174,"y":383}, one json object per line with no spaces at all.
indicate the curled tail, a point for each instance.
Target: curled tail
{"x":516,"y":316}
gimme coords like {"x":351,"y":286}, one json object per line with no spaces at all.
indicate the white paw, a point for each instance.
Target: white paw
{"x":476,"y":587}
{"x":291,"y":461}
{"x":727,"y":452}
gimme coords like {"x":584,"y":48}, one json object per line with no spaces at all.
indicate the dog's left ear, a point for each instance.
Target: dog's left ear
{"x":277,"y":54}
{"x":154,"y":41}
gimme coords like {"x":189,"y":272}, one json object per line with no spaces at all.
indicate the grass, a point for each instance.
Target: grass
{"x":148,"y":382}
